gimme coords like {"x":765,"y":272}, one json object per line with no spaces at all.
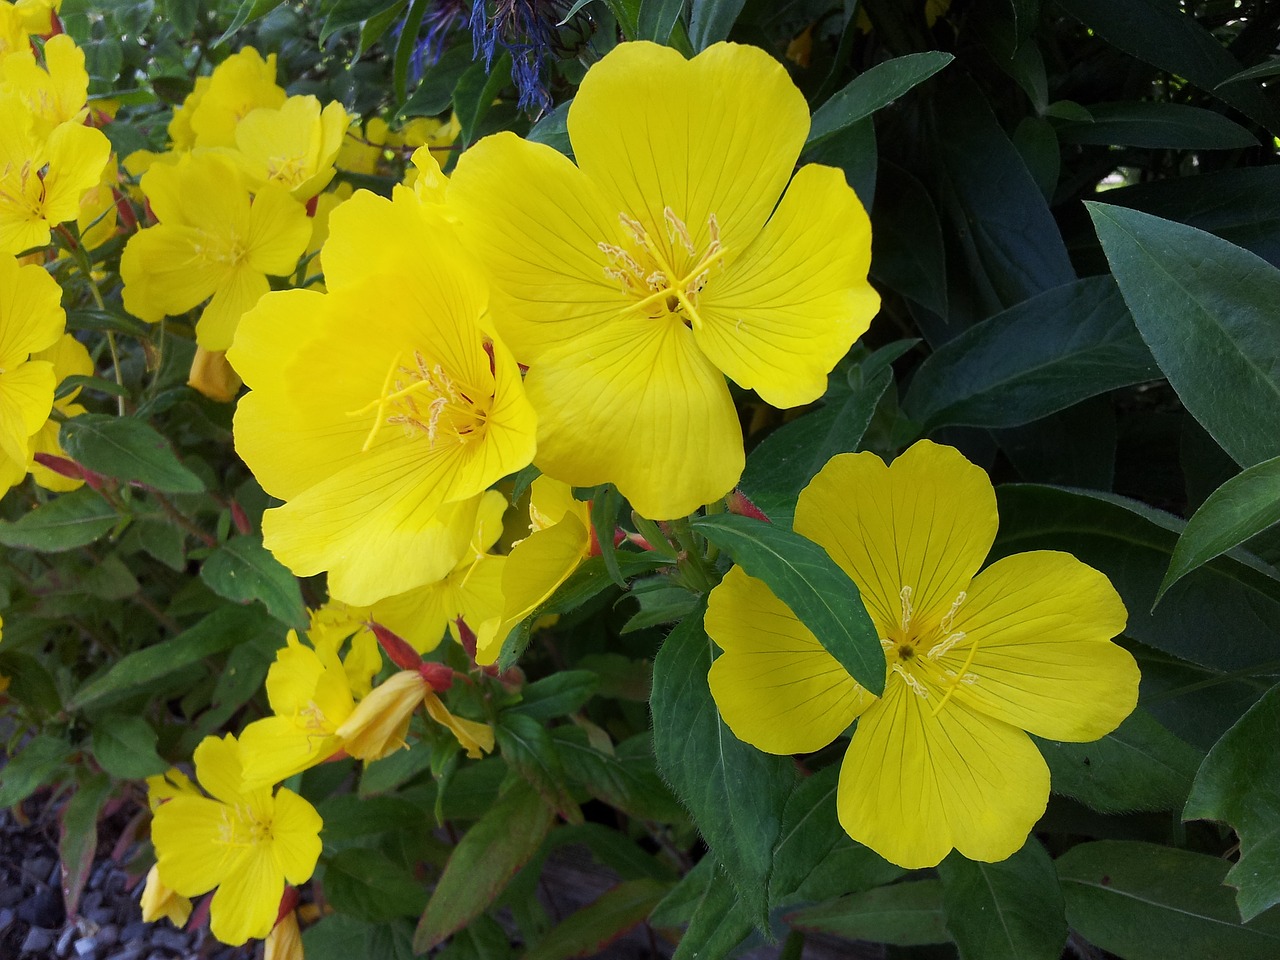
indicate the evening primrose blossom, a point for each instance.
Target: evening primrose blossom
{"x":972,"y":660}
{"x":633,"y":283}
{"x":31,"y":320}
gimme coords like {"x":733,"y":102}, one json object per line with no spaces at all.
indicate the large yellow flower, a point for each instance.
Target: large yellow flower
{"x":972,"y":659}
{"x":634,"y":282}
{"x":380,"y":410}
{"x":245,"y":842}
{"x":31,"y":320}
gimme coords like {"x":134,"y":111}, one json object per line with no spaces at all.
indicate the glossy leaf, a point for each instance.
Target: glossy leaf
{"x":1239,"y":783}
{"x":658,"y":18}
{"x":873,"y":90}
{"x":1146,"y":902}
{"x":1242,"y":507}
{"x":806,"y":579}
{"x":735,"y":793}
{"x":1206,"y":310}
{"x":1037,"y":358}
{"x":1012,"y":910}
{"x":243,"y":570}
{"x":904,"y":914}
{"x":64,"y":523}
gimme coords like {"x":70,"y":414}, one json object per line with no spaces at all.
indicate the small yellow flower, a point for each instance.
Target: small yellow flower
{"x":668,"y":258}
{"x":213,"y":376}
{"x":972,"y":660}
{"x":293,"y":145}
{"x":159,"y":901}
{"x":31,"y":320}
{"x":54,"y":92}
{"x":244,"y":841}
{"x":239,"y":85}
{"x":284,"y":942}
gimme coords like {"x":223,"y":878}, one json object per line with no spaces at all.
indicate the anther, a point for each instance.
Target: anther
{"x":904,"y":595}
{"x":955,"y":608}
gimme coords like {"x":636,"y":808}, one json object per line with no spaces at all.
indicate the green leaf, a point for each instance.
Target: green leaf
{"x":220,"y":630}
{"x":348,"y":13}
{"x":553,"y":130}
{"x":718,"y":921}
{"x":483,"y":862}
{"x":1172,"y":41}
{"x":711,"y":20}
{"x":405,"y":45}
{"x":242,"y":570}
{"x":735,"y":793}
{"x":905,"y":914}
{"x":658,"y":18}
{"x":814,"y":859}
{"x":907,"y":251}
{"x":1244,"y":506}
{"x":874,"y":89}
{"x":41,"y":760}
{"x":1145,"y":902}
{"x":1012,"y":910}
{"x":1044,"y":355}
{"x":558,"y":695}
{"x":339,"y":937}
{"x":475,"y":92}
{"x":1138,"y":766}
{"x":64,"y":523}
{"x":78,"y":841}
{"x":588,"y":931}
{"x":625,"y":780}
{"x":806,"y":579}
{"x":127,"y":450}
{"x":1239,"y":783}
{"x":125,"y":746}
{"x":368,"y":885}
{"x":435,"y":92}
{"x":1225,"y":615}
{"x":1162,"y":126}
{"x":373,"y":29}
{"x":248,"y":11}
{"x":1259,"y":71}
{"x":30,"y":684}
{"x":1207,"y":310}
{"x":528,"y":748}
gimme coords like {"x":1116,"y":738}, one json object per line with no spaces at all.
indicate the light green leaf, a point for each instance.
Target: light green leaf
{"x":125,"y":746}
{"x":64,"y":523}
{"x":242,"y":570}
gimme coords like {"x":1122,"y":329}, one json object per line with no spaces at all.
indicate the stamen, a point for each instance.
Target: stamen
{"x":904,"y":595}
{"x":916,"y":686}
{"x":943,"y":647}
{"x":955,"y":608}
{"x":676,"y":228}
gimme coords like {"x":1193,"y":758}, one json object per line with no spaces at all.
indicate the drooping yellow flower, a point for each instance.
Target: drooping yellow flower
{"x":212,"y":375}
{"x":159,"y":901}
{"x":633,"y":283}
{"x":239,"y":85}
{"x":331,"y":625}
{"x":99,"y":214}
{"x":362,"y":149}
{"x":293,"y":145}
{"x":378,"y":725}
{"x":381,"y":410}
{"x":213,"y":242}
{"x":310,"y":698}
{"x":42,"y":176}
{"x":37,"y":15}
{"x":69,"y":358}
{"x":973,"y":659}
{"x":31,"y":320}
{"x":243,"y":841}
{"x":55,"y":91}
{"x":559,"y":540}
{"x":284,"y":942}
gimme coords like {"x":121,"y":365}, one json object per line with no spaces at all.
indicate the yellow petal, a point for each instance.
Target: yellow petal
{"x":475,"y":738}
{"x":785,"y":310}
{"x":637,"y":404}
{"x":295,"y":836}
{"x":159,"y":901}
{"x":212,"y":375}
{"x":246,"y":904}
{"x":192,"y":855}
{"x":31,"y":317}
{"x":26,"y":397}
{"x":716,"y":135}
{"x":279,"y":230}
{"x":775,"y":686}
{"x":238,"y":291}
{"x":913,"y":786}
{"x":925,"y":523}
{"x":217,"y":761}
{"x":284,"y":942}
{"x":76,"y":156}
{"x":380,"y":721}
{"x":163,"y":274}
{"x":1042,"y":624}
{"x":275,"y":748}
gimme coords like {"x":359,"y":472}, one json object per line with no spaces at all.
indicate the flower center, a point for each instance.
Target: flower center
{"x":664,"y":279}
{"x":240,"y":828}
{"x":913,"y":650}
{"x":424,"y":398}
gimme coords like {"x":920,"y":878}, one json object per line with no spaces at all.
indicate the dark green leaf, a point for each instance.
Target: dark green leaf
{"x":125,"y":746}
{"x":220,"y":630}
{"x":182,"y":14}
{"x":625,"y":780}
{"x":483,"y":862}
{"x":1011,"y":910}
{"x":590,"y":930}
{"x":30,"y":683}
{"x":1239,"y":783}
{"x":735,"y":793}
{"x":367,"y":885}
{"x":906,"y":240}
{"x":528,"y":748}
{"x":711,"y":21}
{"x":41,"y":760}
{"x":854,"y":151}
{"x":127,"y":450}
{"x":1138,"y":766}
{"x":1171,"y":126}
{"x":1145,"y":902}
{"x":376,"y":27}
{"x":718,"y":921}
{"x":242,"y":570}
{"x":248,"y":10}
{"x":79,"y":836}
{"x":1224,"y":615}
{"x":75,"y":382}
{"x":873,"y":90}
{"x":64,"y":523}
{"x":1268,"y":68}
{"x":435,"y":92}
{"x":84,"y":319}
{"x":903,"y":913}
{"x":553,"y":130}
{"x":604,"y":521}
{"x":1242,"y":507}
{"x":806,"y":579}
{"x":348,"y":13}
{"x":339,"y":937}
{"x":1173,"y":41}
{"x":405,"y":46}
{"x":475,"y":92}
{"x":658,"y":18}
{"x":1044,"y":355}
{"x":558,"y":695}
{"x":1206,"y":309}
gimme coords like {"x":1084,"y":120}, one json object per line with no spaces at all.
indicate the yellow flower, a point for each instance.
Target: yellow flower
{"x":378,"y":725}
{"x":42,"y":177}
{"x":311,"y":697}
{"x":31,"y":320}
{"x":239,"y":85}
{"x":381,"y":410}
{"x":362,"y":150}
{"x":284,"y":942}
{"x":55,"y":92}
{"x":634,"y":282}
{"x":99,"y":214}
{"x":159,"y":901}
{"x":14,"y":35}
{"x":213,"y":242}
{"x":37,"y":15}
{"x":245,"y":842}
{"x":329,"y":628}
{"x":212,"y":375}
{"x":69,"y":358}
{"x":293,"y":145}
{"x":940,"y":761}
{"x":559,"y":540}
